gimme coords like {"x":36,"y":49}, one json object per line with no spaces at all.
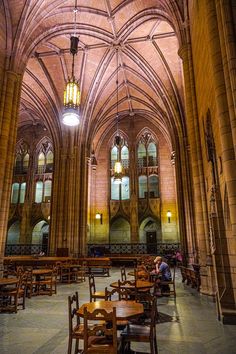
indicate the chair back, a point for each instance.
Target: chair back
{"x":130,"y":287}
{"x":141,"y":273}
{"x":149,"y":302}
{"x":73,"y":306}
{"x":123,"y":273}
{"x":104,"y":332}
{"x":92,"y":287}
{"x":120,"y":293}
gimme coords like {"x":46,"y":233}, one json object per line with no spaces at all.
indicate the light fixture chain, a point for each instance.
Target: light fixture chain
{"x":75,"y":16}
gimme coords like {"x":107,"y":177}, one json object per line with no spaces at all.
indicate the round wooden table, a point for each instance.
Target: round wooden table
{"x":124,"y":309}
{"x":140,"y":284}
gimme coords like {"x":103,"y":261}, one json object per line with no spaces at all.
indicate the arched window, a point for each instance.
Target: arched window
{"x":142,"y":155}
{"x":49,"y":161}
{"x":41,"y":163}
{"x":152,"y":154}
{"x":22,"y":192}
{"x":18,"y":164}
{"x":47,"y":191}
{"x":125,"y":156}
{"x":115,"y":190}
{"x":114,"y":156}
{"x":15,"y":193}
{"x":153,"y":186}
{"x":26,"y":162}
{"x":119,"y":152}
{"x":125,"y":188}
{"x":142,"y":186}
{"x":39,"y":192}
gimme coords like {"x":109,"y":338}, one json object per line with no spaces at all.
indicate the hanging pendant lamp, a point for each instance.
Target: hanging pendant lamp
{"x":71,"y":115}
{"x":118,"y":166}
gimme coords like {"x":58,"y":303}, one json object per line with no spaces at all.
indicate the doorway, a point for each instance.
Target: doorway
{"x":151,"y":240}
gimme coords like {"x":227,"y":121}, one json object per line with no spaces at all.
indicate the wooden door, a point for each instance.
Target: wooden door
{"x":151,"y":242}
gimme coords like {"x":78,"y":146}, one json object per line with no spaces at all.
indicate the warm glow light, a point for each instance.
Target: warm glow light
{"x":117,"y":173}
{"x":168,"y":214}
{"x":118,"y":167}
{"x":72,"y":94}
{"x":98,"y":216}
{"x":71,"y":104}
{"x":70,"y":117}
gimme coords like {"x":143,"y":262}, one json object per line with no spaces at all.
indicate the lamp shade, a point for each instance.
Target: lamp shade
{"x":71,"y":117}
{"x":72,"y":94}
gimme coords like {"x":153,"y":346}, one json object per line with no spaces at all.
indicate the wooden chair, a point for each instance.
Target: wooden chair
{"x":123,"y":273}
{"x":31,"y":283}
{"x":76,"y":329}
{"x":94,"y":295}
{"x":14,"y":296}
{"x":132,"y":292}
{"x":81,"y":272}
{"x":102,"y":338}
{"x":65,"y":273}
{"x":168,"y":286}
{"x":119,"y":294}
{"x":48,"y":284}
{"x":145,"y":332}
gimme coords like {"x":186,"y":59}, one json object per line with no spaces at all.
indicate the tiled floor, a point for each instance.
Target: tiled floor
{"x":188,"y":325}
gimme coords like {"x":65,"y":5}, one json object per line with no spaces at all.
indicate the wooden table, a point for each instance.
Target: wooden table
{"x":41,"y":271}
{"x":140,"y":284}
{"x":8,"y":281}
{"x":124,"y":309}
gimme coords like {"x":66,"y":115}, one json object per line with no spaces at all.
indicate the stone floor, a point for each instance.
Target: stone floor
{"x":188,"y":325}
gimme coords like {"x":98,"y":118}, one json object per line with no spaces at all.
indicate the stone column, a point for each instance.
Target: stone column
{"x":227,"y":37}
{"x":225,"y":244}
{"x":195,"y":155}
{"x":8,"y":129}
{"x":69,"y":202}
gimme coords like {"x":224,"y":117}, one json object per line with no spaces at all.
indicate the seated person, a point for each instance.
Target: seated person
{"x":163,"y":270}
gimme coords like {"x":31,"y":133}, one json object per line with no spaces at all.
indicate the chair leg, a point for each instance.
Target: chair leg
{"x":76,"y":346}
{"x":69,"y":345}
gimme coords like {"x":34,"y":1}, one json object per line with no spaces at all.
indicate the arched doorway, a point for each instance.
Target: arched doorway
{"x":13,"y":235}
{"x":150,"y":233}
{"x":40,"y":235}
{"x":120,"y":231}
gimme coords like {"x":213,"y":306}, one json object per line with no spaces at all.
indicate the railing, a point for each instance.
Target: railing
{"x":99,"y":249}
{"x":131,"y":248}
{"x":23,"y":249}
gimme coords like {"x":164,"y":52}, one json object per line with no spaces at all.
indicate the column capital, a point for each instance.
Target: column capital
{"x":184,"y":50}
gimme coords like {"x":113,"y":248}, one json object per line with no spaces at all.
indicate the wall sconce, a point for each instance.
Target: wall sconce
{"x":168,"y":214}
{"x":98,"y":216}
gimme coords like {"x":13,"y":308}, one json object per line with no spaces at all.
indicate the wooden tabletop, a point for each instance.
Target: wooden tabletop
{"x":8,"y":281}
{"x":124,"y":309}
{"x":139,"y":284}
{"x":41,"y":271}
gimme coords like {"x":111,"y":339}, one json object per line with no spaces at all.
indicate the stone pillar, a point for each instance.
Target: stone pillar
{"x":195,"y":155}
{"x":225,"y":244}
{"x":8,"y":129}
{"x":69,"y":202}
{"x":224,"y":10}
{"x":134,"y":222}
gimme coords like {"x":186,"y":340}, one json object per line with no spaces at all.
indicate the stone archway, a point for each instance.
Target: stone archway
{"x":120,"y":231}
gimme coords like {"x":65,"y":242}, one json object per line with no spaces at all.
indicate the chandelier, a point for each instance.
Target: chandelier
{"x":118,"y":165}
{"x":70,"y":115}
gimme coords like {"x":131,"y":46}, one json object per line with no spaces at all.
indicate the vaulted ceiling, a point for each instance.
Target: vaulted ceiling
{"x":147,"y":36}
